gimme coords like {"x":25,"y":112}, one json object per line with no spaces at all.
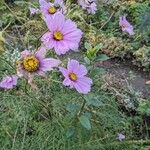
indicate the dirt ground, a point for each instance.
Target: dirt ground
{"x":129,"y":75}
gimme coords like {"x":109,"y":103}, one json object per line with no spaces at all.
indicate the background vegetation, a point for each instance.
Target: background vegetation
{"x":55,"y":117}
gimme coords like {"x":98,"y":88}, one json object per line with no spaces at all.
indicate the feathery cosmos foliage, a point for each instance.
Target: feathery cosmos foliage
{"x":54,"y":92}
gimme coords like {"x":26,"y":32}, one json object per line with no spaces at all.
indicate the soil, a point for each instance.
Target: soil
{"x":125,"y":70}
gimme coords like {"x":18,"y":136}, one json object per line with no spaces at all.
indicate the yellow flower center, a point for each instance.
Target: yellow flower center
{"x":58,"y":36}
{"x":73,"y":76}
{"x":30,"y":63}
{"x":52,"y":10}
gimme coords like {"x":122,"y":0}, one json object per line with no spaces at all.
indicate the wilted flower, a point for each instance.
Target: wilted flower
{"x":89,"y":5}
{"x":63,"y":35}
{"x":125,"y":25}
{"x":31,"y":64}
{"x":48,"y":8}
{"x":75,"y":77}
{"x":9,"y":82}
{"x":34,"y":10}
{"x":120,"y":136}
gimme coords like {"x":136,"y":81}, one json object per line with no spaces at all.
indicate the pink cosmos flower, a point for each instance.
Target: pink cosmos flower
{"x":48,"y":8}
{"x":125,"y":25}
{"x":31,"y":64}
{"x":9,"y":82}
{"x":63,"y":35}
{"x":75,"y":77}
{"x":89,"y":5}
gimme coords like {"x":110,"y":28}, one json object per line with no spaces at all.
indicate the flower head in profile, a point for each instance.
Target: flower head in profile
{"x":48,"y":8}
{"x":9,"y":82}
{"x":75,"y":77}
{"x":89,"y":5}
{"x":63,"y":35}
{"x":125,"y":25}
{"x":120,"y":136}
{"x":35,"y":63}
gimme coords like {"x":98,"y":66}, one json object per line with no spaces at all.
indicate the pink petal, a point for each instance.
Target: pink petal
{"x":43,"y":3}
{"x":73,"y":65}
{"x":126,"y":26}
{"x":9,"y":82}
{"x":25,"y":53}
{"x":73,"y":46}
{"x":73,"y":36}
{"x":61,"y":47}
{"x":64,"y":71}
{"x":56,"y":22}
{"x":60,"y":2}
{"x":41,"y":52}
{"x":47,"y":40}
{"x":15,"y":78}
{"x":59,"y":20}
{"x":67,"y":82}
{"x":82,"y":71}
{"x":90,"y":6}
{"x":69,"y":26}
{"x":48,"y":63}
{"x":83,"y":85}
{"x":130,"y":30}
{"x":41,"y":73}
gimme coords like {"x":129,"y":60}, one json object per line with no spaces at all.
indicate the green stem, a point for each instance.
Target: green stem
{"x":6,"y":27}
{"x":82,"y":108}
{"x":38,"y":39}
{"x":25,"y":87}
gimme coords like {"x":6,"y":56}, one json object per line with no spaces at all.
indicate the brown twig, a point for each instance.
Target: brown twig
{"x":107,"y":20}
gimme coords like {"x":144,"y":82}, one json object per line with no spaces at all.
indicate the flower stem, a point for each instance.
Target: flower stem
{"x":6,"y":27}
{"x":82,"y":108}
